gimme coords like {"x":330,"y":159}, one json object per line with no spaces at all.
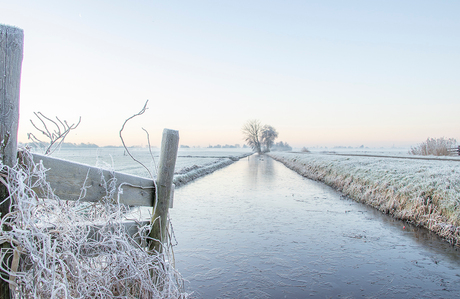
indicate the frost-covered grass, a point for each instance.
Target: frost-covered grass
{"x":425,"y":192}
{"x":435,"y":146}
{"x":188,"y":174}
{"x":62,"y":249}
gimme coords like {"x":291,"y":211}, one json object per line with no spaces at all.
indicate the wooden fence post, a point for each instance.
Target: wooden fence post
{"x":11,"y":51}
{"x":168,"y":156}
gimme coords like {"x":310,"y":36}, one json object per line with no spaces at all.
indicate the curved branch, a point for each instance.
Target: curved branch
{"x":56,"y":138}
{"x":123,"y":142}
{"x":150,"y":150}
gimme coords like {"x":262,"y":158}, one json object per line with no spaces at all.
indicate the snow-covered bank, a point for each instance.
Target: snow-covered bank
{"x":193,"y":172}
{"x":424,"y":192}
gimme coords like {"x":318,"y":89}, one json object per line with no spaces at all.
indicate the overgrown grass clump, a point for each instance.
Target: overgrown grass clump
{"x":68,"y":249}
{"x":426,"y":193}
{"x":436,"y":147}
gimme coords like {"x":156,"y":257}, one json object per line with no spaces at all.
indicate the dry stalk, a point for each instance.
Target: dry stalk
{"x":123,"y":141}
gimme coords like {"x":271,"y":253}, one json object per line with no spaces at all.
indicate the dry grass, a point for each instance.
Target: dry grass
{"x":436,"y":147}
{"x":56,"y":253}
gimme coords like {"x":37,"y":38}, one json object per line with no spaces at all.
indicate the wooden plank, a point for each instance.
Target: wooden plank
{"x":11,"y":53}
{"x":168,"y":156}
{"x":75,"y":181}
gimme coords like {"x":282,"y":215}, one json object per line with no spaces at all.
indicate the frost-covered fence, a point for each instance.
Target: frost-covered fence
{"x":75,"y":181}
{"x":168,"y":156}
{"x":11,"y":53}
{"x":39,"y":257}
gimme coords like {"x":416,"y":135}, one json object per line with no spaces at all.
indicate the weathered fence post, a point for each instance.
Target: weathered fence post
{"x":168,"y":155}
{"x":11,"y":51}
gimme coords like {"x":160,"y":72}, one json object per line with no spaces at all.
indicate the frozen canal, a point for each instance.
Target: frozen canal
{"x":256,"y":229}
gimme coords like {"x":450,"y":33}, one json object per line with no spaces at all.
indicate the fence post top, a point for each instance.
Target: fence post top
{"x":170,"y":132}
{"x":11,"y":29}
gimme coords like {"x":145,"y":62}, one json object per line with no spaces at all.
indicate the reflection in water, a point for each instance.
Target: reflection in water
{"x":260,"y":168}
{"x":259,"y":230}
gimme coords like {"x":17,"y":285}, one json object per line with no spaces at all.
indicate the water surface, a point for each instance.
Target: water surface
{"x":256,"y":229}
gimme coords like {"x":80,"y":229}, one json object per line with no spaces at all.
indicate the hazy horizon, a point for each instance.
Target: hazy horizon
{"x":70,"y":145}
{"x":323,"y":73}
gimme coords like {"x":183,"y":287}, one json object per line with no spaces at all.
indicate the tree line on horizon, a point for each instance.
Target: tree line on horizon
{"x":43,"y":144}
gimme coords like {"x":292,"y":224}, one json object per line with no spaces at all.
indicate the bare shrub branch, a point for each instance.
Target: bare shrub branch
{"x":56,"y":135}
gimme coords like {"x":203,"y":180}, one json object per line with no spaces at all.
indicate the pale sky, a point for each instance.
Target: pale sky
{"x":323,"y":73}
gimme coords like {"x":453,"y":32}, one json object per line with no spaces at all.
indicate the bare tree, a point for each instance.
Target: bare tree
{"x":269,"y":134}
{"x":251,"y":131}
{"x":56,"y":135}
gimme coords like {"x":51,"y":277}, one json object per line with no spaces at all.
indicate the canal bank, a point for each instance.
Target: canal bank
{"x":423,"y":192}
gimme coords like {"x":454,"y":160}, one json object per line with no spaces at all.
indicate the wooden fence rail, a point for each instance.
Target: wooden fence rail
{"x":455,"y":150}
{"x":74,"y":181}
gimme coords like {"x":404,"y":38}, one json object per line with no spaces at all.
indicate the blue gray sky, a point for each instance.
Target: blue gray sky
{"x":323,"y":73}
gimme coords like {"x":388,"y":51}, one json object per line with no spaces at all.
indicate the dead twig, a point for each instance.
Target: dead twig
{"x":56,"y":136}
{"x":150,"y":150}
{"x":123,"y":142}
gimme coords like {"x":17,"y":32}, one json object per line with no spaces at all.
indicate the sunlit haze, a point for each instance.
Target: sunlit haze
{"x":323,"y":73}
